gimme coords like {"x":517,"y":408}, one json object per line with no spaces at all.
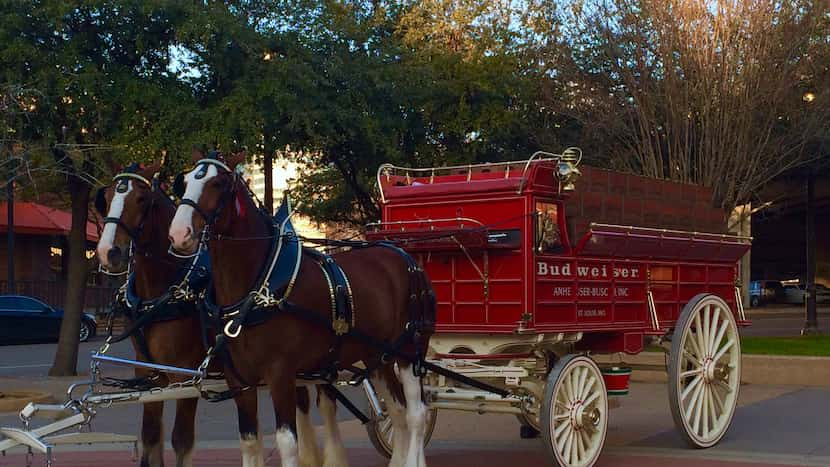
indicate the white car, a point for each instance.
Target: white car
{"x":794,"y":293}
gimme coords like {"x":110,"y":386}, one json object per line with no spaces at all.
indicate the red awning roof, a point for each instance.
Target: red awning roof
{"x":37,"y":219}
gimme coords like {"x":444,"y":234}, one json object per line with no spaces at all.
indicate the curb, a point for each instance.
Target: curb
{"x":14,"y":401}
{"x":755,"y":369}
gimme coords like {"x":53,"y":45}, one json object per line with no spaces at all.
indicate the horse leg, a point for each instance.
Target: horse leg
{"x":416,"y":415}
{"x":152,"y":444}
{"x":306,"y":436}
{"x":284,"y":397}
{"x":249,"y":440}
{"x":334,"y":453}
{"x":390,"y":391}
{"x":184,"y":431}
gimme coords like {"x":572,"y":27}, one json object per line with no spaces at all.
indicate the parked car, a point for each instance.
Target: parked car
{"x":765,"y":291}
{"x":26,"y":320}
{"x":794,"y":293}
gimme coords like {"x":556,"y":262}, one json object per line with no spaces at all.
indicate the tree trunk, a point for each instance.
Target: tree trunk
{"x":268,"y":168}
{"x":66,"y":357}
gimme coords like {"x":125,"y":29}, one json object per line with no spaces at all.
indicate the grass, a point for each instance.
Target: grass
{"x":816,"y":346}
{"x":807,"y":346}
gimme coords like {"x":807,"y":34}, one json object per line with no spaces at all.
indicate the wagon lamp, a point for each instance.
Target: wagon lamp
{"x":567,"y":174}
{"x":808,"y":97}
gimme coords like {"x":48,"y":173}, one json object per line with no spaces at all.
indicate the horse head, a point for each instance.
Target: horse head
{"x":205,"y":190}
{"x":124,"y":205}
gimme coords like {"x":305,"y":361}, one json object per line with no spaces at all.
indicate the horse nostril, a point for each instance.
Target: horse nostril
{"x":114,"y":255}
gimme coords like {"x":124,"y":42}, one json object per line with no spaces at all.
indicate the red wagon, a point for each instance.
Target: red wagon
{"x":524,"y":306}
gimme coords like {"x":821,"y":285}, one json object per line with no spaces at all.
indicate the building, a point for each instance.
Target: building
{"x":40,"y":262}
{"x":779,"y":229}
{"x":284,"y":172}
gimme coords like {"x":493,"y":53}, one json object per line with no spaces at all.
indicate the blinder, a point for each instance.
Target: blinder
{"x":178,"y":185}
{"x":101,"y":201}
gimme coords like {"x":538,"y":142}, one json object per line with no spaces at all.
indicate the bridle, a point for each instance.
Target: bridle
{"x":209,"y":218}
{"x":134,"y":234}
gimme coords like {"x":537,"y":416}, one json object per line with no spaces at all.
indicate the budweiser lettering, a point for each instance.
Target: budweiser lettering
{"x":592,"y":272}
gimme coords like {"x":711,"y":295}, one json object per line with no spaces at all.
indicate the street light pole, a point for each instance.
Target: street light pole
{"x":811,"y":323}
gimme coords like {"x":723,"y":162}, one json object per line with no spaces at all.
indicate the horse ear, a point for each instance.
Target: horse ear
{"x":236,"y":158}
{"x":113,"y":166}
{"x":178,"y":185}
{"x":196,"y":154}
{"x":151,"y":170}
{"x":101,"y":201}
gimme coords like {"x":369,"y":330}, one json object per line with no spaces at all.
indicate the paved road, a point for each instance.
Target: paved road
{"x":35,"y":360}
{"x":779,"y":320}
{"x":782,"y":425}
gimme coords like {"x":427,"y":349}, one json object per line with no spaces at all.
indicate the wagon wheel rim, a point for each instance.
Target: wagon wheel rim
{"x":708,"y":374}
{"x":579,"y":414}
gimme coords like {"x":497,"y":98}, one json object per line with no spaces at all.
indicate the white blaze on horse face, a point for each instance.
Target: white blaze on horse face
{"x":181,"y":229}
{"x":107,"y":240}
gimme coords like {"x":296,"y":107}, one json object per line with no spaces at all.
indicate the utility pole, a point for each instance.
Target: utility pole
{"x":11,"y":289}
{"x":811,"y":323}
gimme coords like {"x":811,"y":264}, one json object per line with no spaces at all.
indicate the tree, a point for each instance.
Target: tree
{"x":104,"y":91}
{"x":725,"y":94}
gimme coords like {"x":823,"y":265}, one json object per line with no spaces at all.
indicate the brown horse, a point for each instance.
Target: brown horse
{"x":138,"y":217}
{"x":296,"y":333}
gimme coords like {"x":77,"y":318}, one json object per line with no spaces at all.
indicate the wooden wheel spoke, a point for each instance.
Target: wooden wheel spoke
{"x":693,"y":401}
{"x":719,"y":336}
{"x":698,"y":406}
{"x":588,"y":387}
{"x":713,"y":413}
{"x":723,"y":350}
{"x":723,"y":385}
{"x":561,"y":428}
{"x":691,"y":358}
{"x":569,"y":441}
{"x":713,"y":328}
{"x":705,"y":331}
{"x":693,"y":349}
{"x":583,"y":376}
{"x":705,"y":409}
{"x":698,"y":379}
{"x":591,"y":398}
{"x":689,"y":373}
{"x":717,"y":399}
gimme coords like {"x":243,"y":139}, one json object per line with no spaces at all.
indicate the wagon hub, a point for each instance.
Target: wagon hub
{"x":712,"y":371}
{"x":584,"y":417}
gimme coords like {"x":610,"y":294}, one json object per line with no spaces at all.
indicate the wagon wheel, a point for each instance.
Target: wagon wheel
{"x":574,"y":412}
{"x":704,"y":370}
{"x":380,"y":430}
